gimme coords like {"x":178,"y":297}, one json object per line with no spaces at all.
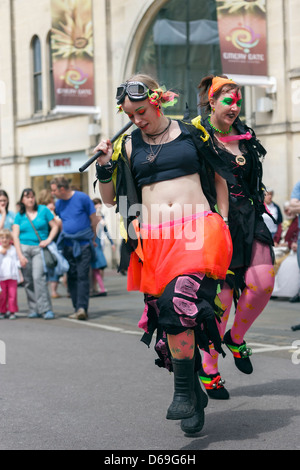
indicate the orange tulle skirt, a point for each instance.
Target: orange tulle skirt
{"x":197,"y":243}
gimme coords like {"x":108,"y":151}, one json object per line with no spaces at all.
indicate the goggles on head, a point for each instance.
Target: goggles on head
{"x":136,"y":91}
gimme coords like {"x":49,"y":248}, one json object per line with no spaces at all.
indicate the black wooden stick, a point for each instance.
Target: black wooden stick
{"x":98,"y":154}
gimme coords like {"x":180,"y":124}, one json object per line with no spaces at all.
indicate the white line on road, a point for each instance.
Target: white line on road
{"x":256,"y":347}
{"x":269,"y":347}
{"x":103,"y":327}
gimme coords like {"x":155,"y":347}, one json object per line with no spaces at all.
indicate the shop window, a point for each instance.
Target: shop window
{"x":78,"y":182}
{"x":181,"y":47}
{"x":50,"y":74}
{"x":37,"y":74}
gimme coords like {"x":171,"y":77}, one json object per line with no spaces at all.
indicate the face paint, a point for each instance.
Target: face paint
{"x":235,"y":98}
{"x":139,"y":110}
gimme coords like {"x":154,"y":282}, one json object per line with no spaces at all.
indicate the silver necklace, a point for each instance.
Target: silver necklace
{"x":153,"y":153}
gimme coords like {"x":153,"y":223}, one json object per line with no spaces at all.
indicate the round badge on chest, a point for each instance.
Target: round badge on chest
{"x":240,"y":160}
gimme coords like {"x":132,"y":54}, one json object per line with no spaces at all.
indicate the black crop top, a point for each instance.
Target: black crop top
{"x":176,"y":158}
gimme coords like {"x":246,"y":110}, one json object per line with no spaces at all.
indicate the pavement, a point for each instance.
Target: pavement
{"x":121,"y":309}
{"x":92,"y":385}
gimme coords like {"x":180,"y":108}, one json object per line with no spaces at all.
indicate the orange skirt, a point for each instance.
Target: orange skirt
{"x":198,"y":243}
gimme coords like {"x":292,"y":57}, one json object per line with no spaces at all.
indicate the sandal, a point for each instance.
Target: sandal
{"x":214,"y":385}
{"x":240,"y":354}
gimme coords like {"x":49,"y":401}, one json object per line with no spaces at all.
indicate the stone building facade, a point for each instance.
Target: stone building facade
{"x":37,"y":142}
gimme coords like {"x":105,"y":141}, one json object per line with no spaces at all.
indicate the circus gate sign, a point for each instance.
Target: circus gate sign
{"x":243,"y":40}
{"x":72,"y":52}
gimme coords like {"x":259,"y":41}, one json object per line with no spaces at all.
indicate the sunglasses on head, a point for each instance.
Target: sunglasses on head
{"x":136,"y":91}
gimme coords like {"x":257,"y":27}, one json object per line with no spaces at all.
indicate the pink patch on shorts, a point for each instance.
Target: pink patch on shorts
{"x":187,"y":286}
{"x":187,"y":322}
{"x":199,"y":275}
{"x":184,"y":307}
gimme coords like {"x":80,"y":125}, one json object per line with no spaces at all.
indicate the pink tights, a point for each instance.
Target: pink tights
{"x":98,"y":278}
{"x":8,"y":296}
{"x":259,"y":281}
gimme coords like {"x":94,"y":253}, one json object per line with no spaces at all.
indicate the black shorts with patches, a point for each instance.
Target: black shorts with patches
{"x":188,"y":302}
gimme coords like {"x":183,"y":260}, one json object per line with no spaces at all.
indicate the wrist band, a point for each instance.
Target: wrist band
{"x":105,"y":181}
{"x":104,"y":172}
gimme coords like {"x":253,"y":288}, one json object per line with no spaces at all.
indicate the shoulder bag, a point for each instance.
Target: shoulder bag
{"x":50,"y":259}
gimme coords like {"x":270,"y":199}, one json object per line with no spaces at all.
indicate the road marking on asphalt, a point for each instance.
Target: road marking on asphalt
{"x":256,"y":347}
{"x":259,"y":348}
{"x":103,"y":327}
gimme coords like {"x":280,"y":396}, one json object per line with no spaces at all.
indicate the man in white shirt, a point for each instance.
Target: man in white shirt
{"x":274,"y":210}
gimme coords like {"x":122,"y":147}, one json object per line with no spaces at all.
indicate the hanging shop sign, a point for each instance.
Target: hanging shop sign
{"x":72,"y":52}
{"x":56,"y":164}
{"x":243,"y":36}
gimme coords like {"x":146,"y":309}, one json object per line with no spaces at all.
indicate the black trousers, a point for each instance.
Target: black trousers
{"x":78,"y":276}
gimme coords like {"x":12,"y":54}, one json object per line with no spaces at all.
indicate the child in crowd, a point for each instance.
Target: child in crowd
{"x":9,"y":276}
{"x":100,"y":263}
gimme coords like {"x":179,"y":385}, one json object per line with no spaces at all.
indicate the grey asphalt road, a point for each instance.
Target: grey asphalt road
{"x":69,"y":385}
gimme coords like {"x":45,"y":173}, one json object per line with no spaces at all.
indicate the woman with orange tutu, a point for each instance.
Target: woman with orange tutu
{"x":174,"y":208}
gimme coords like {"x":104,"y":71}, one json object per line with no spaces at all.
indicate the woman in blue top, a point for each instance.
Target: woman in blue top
{"x":6,"y":216}
{"x":28,"y":249}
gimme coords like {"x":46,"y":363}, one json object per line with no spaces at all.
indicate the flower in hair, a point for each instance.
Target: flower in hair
{"x":120,"y":108}
{"x":155,"y":97}
{"x":160,"y":95}
{"x":169,"y":98}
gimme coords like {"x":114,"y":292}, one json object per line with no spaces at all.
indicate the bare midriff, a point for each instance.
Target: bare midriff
{"x":173,"y":199}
